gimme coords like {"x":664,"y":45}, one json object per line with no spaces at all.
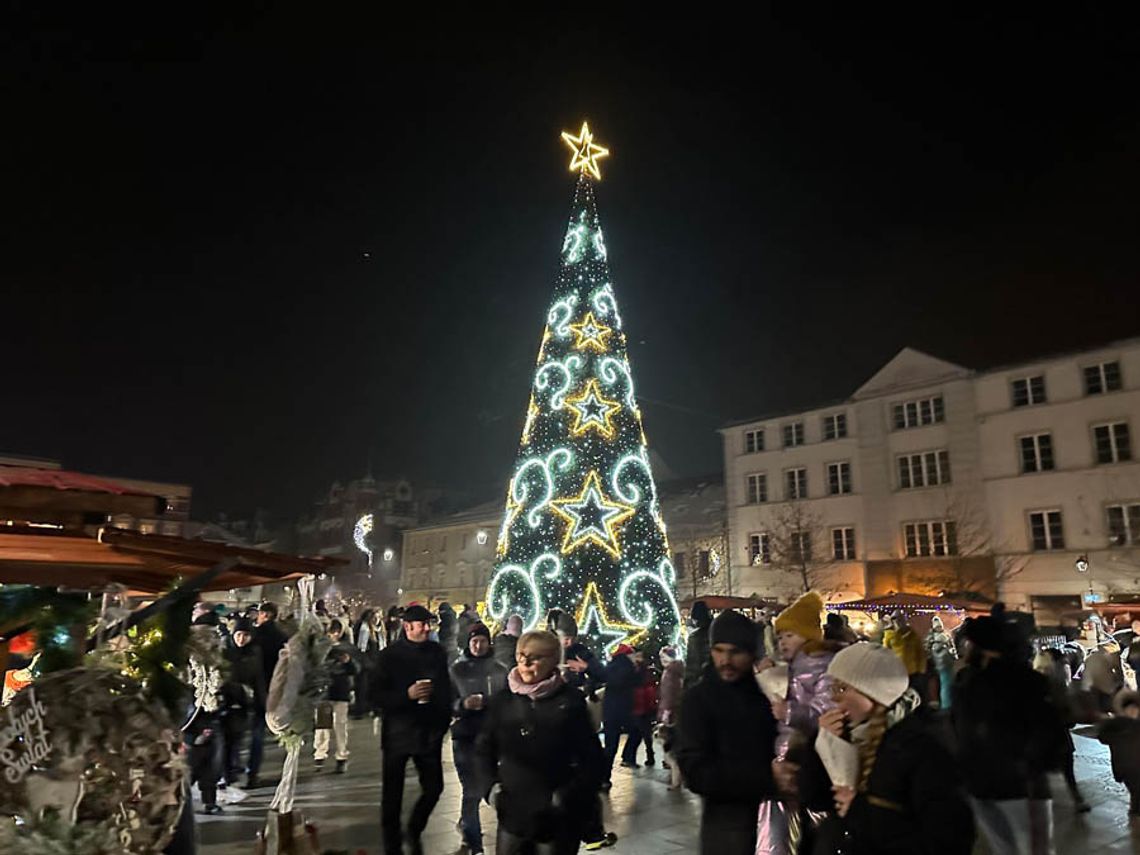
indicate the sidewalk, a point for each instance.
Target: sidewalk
{"x":648,"y":819}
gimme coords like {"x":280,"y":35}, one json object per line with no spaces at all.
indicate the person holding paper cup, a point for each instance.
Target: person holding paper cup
{"x":895,"y":784}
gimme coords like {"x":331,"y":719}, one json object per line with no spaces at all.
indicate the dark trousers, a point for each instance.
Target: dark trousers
{"x":642,"y":732}
{"x":463,"y":752}
{"x":256,"y":743}
{"x":614,"y":727}
{"x":592,"y":827}
{"x":512,"y":844}
{"x":233,"y":733}
{"x":429,"y":767}
{"x":728,"y":829}
{"x":205,"y":767}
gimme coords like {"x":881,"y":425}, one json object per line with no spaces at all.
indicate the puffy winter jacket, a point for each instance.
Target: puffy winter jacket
{"x":342,"y":675}
{"x":546,"y":757}
{"x":472,"y":675}
{"x":809,"y":694}
{"x":906,"y":644}
{"x":622,"y":679}
{"x":914,"y":803}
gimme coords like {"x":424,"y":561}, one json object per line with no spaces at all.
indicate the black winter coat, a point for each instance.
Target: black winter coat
{"x":504,"y":649}
{"x":914,"y":803}
{"x":697,"y":656}
{"x":1122,"y":736}
{"x":1008,"y":731}
{"x":269,"y":638}
{"x":622,"y":678}
{"x":342,"y":675}
{"x":474,"y":676}
{"x":547,"y":759}
{"x":410,"y":727}
{"x":246,"y":688}
{"x":725,"y":747}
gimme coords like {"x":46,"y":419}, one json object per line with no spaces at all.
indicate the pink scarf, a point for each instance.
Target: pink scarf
{"x":534,"y":691}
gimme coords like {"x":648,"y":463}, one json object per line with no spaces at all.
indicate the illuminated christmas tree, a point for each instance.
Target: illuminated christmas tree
{"x":583,"y":530}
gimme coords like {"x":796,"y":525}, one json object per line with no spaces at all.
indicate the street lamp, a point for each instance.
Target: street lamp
{"x":389,"y":554}
{"x":1082,"y":564}
{"x":481,"y":537}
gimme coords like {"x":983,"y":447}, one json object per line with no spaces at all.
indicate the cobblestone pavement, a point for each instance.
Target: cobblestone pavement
{"x":648,"y":819}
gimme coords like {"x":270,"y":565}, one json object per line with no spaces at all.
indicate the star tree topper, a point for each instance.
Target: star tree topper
{"x":586,"y":153}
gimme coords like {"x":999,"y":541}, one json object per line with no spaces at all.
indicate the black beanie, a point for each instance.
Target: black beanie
{"x":734,"y":628}
{"x":478,"y":628}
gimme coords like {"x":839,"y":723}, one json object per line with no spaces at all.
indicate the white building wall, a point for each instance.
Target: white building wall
{"x":981,"y":432}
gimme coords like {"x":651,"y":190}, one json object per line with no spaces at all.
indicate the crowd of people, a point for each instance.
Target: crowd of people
{"x":801,"y":736}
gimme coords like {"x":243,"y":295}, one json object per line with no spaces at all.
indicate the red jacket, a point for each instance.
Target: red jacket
{"x":645,"y":697}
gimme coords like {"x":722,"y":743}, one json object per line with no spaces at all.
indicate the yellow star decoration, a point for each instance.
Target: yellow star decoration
{"x":611,"y":514}
{"x":593,"y":609}
{"x":531,"y":415}
{"x":586,"y":153}
{"x":585,"y":419}
{"x":591,"y":333}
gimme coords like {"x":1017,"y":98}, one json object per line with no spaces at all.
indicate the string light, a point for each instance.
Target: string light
{"x":586,"y":153}
{"x":583,"y":493}
{"x":360,"y":533}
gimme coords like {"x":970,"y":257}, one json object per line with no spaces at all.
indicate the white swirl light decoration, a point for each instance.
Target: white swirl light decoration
{"x":499,"y":604}
{"x":567,"y":366}
{"x":609,"y":369}
{"x":629,"y":492}
{"x":360,"y":534}
{"x":521,"y":489}
{"x":605,"y":304}
{"x":560,"y":315}
{"x":599,"y":245}
{"x":642,"y":612}
{"x":575,"y":238}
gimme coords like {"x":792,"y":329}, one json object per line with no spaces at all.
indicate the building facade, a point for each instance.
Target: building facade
{"x":450,"y":559}
{"x":696,"y":520}
{"x":934,"y":478}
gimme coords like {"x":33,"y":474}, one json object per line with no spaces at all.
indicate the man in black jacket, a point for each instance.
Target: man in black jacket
{"x":269,"y":638}
{"x":342,"y":669}
{"x":697,"y":655}
{"x":244,"y":696}
{"x":477,"y":677}
{"x":726,"y":742}
{"x":1009,"y":735}
{"x":414,"y":691}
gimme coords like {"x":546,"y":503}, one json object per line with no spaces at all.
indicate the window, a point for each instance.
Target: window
{"x":795,"y":483}
{"x":1028,"y":391}
{"x":1037,"y":453}
{"x":757,"y":487}
{"x":1045,"y":530}
{"x":1113,"y":444}
{"x":800,"y":547}
{"x":934,"y":537}
{"x":924,"y":470}
{"x":843,"y":544}
{"x":753,"y":441}
{"x":703,"y":564}
{"x":925,"y":411}
{"x":838,"y":478}
{"x":1124,"y":525}
{"x":464,"y":546}
{"x":835,"y":427}
{"x":679,"y":564}
{"x":760,"y":548}
{"x":1102,"y":378}
{"x":793,"y":434}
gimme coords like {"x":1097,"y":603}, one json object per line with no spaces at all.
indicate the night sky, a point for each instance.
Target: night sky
{"x":246,"y":253}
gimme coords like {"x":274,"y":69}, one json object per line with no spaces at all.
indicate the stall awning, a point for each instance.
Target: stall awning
{"x":913,"y":603}
{"x":143,"y":563}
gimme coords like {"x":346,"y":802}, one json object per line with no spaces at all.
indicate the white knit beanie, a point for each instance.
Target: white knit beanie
{"x":871,"y":670}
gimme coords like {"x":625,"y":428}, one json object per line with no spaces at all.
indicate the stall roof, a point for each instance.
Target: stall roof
{"x":143,"y":563}
{"x":907,"y":602}
{"x":56,"y":495}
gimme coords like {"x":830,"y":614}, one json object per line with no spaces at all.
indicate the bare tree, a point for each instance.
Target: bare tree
{"x":801,"y":547}
{"x":975,"y":562}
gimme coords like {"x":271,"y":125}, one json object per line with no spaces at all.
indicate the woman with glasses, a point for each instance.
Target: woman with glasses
{"x":538,"y":748}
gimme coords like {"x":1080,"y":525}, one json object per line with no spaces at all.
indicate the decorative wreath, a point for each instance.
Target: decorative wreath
{"x":88,"y":766}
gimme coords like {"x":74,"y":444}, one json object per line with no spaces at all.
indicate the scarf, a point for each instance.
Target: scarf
{"x":535,"y":691}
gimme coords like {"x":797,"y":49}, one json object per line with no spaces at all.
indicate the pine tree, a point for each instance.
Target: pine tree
{"x":583,"y":530}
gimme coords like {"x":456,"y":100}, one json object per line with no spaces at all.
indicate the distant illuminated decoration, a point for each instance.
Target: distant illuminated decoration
{"x":360,"y":534}
{"x":586,"y":153}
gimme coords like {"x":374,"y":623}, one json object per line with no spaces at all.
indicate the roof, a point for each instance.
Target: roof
{"x":143,"y":563}
{"x":42,"y":495}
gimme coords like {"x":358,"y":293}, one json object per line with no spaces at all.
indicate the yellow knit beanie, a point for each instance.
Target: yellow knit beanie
{"x":803,"y":617}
